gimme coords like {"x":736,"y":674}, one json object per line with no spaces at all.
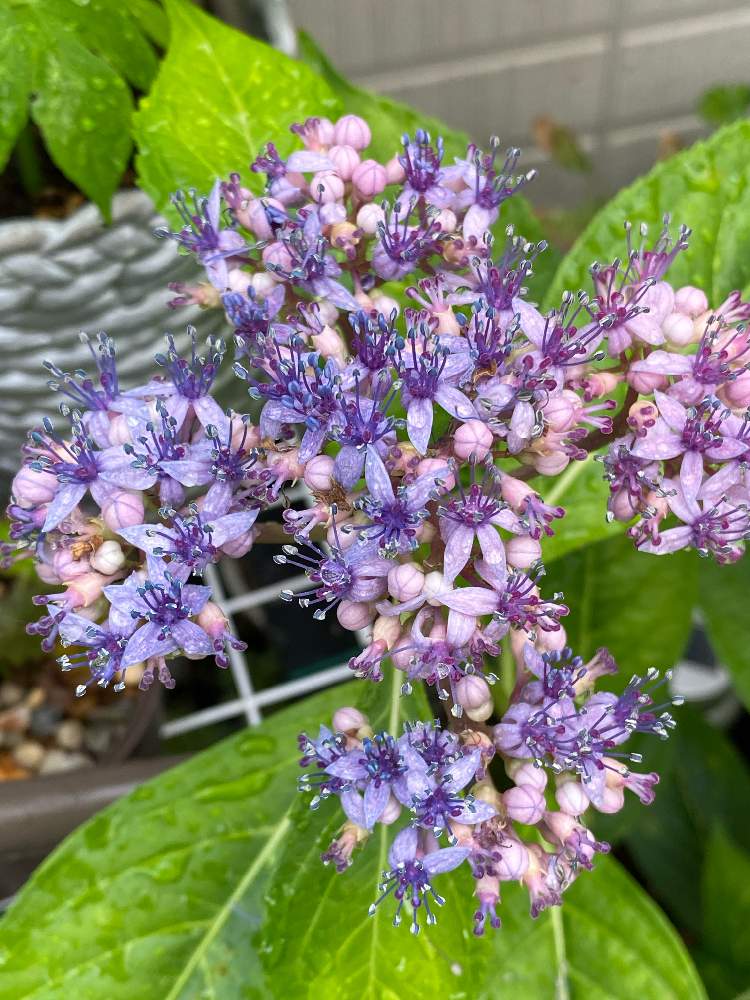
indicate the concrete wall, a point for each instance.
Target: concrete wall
{"x":620,"y":72}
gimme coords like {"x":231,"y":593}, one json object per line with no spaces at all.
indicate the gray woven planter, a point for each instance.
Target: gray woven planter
{"x":58,"y":278}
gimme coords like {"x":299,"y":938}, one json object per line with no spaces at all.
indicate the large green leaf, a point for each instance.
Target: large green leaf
{"x":705,"y":187}
{"x":153,"y":891}
{"x":15,"y":81}
{"x":83,"y":109}
{"x":219,"y":97}
{"x":724,"y":957}
{"x":723,"y":600}
{"x":390,"y":119}
{"x":639,"y":606}
{"x":704,"y":781}
{"x":582,"y":490}
{"x":206,"y":882}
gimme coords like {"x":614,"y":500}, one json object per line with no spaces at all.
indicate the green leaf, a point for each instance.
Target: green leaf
{"x":723,"y":600}
{"x":638,"y":606}
{"x":722,"y":105}
{"x":330,"y":943}
{"x":725,"y":948}
{"x":15,"y":81}
{"x":704,"y":187}
{"x":152,"y":19}
{"x":166,"y":881}
{"x":219,"y":97}
{"x":83,"y":109}
{"x":582,"y":490}
{"x":703,"y":781}
{"x":390,"y":119}
{"x":608,"y":941}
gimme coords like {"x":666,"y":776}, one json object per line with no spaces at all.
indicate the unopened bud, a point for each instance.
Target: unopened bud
{"x":690,"y":301}
{"x":354,"y":615}
{"x":524,"y":804}
{"x":405,"y":581}
{"x":326,"y":187}
{"x":369,"y":178}
{"x":473,"y":438}
{"x":108,"y":558}
{"x":351,"y":130}
{"x":344,"y":159}
{"x":123,"y":510}
{"x":369,"y":217}
{"x":30,"y":488}
{"x":571,"y":797}
{"x":319,"y":472}
{"x":522,"y":550}
{"x":349,"y":720}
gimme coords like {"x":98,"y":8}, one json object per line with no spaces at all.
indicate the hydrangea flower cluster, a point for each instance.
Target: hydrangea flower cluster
{"x":396,"y":366}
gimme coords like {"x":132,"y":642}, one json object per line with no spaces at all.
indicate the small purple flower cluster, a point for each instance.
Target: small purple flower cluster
{"x":148,"y":486}
{"x":414,"y":430}
{"x":554,"y":722}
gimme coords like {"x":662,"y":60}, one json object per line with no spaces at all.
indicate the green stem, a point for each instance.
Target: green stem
{"x":28,"y":162}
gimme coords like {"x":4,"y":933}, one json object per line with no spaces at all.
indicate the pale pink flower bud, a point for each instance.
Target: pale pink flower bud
{"x":611,"y":801}
{"x":46,"y":573}
{"x":521,"y":551}
{"x":326,"y":187}
{"x":485,"y":791}
{"x":515,"y":491}
{"x":30,"y":488}
{"x":447,"y":220}
{"x":447,"y":324}
{"x":67,"y":567}
{"x":690,"y":301}
{"x":255,"y":218}
{"x":369,"y":178}
{"x":84,"y":590}
{"x":472,"y":691}
{"x":600,"y":384}
{"x":119,"y":430}
{"x":514,"y":861}
{"x":239,"y":546}
{"x":551,"y":464}
{"x":386,"y":629}
{"x":351,"y":130}
{"x":108,"y":558}
{"x":384,"y":303}
{"x":344,"y":159}
{"x":437,"y":466}
{"x":395,"y":171}
{"x":331,"y":344}
{"x":525,"y":804}
{"x":679,"y":329}
{"x":319,"y":473}
{"x":621,"y":505}
{"x":354,"y":615}
{"x":571,"y":798}
{"x":646,"y":382}
{"x":737,"y":391}
{"x":473,"y":438}
{"x":332,"y":213}
{"x":401,"y":657}
{"x":263,"y":283}
{"x":239,"y":280}
{"x":434,"y":584}
{"x":405,"y":581}
{"x":348,"y":720}
{"x":524,"y":772}
{"x":391,"y":812}
{"x":369,"y":217}
{"x":276,"y":254}
{"x":560,"y":411}
{"x":551,"y":642}
{"x":212,"y":620}
{"x":123,"y":510}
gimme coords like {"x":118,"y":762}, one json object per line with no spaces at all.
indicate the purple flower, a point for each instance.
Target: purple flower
{"x":356,"y":573}
{"x":712,"y":526}
{"x":312,"y":269}
{"x":476,"y":512}
{"x":78,"y":467}
{"x":192,"y":540}
{"x":189,"y":388}
{"x":404,"y":245}
{"x":395,"y":516}
{"x":204,"y":236}
{"x":321,"y":752}
{"x":383,"y":765}
{"x":421,"y":162}
{"x":154,"y":451}
{"x":438,"y":803}
{"x":364,"y":430}
{"x":410,"y":874}
{"x":103,"y":644}
{"x":166,"y":604}
{"x":250,"y":318}
{"x":427,"y":371}
{"x":488,"y":186}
